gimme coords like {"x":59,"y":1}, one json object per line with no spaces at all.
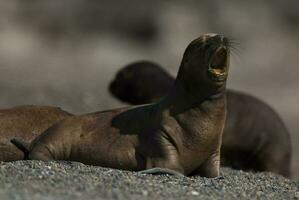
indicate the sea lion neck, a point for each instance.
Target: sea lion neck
{"x":179,"y":99}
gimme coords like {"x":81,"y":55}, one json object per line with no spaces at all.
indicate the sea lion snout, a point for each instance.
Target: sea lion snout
{"x":218,"y":64}
{"x":206,"y":36}
{"x":213,"y":36}
{"x":205,"y":62}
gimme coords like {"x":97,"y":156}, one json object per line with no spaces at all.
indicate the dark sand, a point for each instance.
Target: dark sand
{"x":34,"y":180}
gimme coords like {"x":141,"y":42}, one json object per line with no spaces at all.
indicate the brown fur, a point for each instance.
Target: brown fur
{"x":25,"y":122}
{"x":254,"y":137}
{"x":182,"y":132}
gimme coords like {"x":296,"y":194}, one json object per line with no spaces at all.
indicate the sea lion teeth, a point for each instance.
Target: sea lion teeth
{"x":218,"y":71}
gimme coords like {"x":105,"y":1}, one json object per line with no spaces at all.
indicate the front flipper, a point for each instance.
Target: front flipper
{"x":210,"y":168}
{"x":159,"y":171}
{"x":218,"y":178}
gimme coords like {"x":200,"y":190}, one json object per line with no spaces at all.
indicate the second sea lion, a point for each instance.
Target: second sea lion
{"x":254,"y":137}
{"x":182,"y":132}
{"x":25,"y":123}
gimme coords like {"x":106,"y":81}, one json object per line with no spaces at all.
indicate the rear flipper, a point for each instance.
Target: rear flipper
{"x":23,"y":146}
{"x":37,"y":154}
{"x":159,"y":171}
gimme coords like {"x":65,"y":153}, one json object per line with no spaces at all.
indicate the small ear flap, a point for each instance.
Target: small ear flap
{"x":23,"y":146}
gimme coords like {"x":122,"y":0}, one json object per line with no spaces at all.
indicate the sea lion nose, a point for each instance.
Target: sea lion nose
{"x":224,"y":41}
{"x":214,"y":37}
{"x":220,"y":38}
{"x":210,"y":35}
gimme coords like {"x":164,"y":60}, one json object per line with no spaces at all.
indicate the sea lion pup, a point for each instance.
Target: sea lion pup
{"x":25,"y":123}
{"x":182,"y":132}
{"x":254,"y":137}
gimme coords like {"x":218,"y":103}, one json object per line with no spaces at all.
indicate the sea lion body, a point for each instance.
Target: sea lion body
{"x":254,"y":137}
{"x":25,"y":122}
{"x":182,"y":132}
{"x":132,"y":140}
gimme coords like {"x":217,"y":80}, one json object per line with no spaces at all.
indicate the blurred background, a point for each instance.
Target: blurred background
{"x":64,"y":53}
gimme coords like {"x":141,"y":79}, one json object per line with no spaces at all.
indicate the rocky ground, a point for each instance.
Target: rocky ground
{"x":72,"y":180}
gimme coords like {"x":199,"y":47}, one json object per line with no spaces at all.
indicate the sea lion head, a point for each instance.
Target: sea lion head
{"x":205,"y":63}
{"x":140,"y":82}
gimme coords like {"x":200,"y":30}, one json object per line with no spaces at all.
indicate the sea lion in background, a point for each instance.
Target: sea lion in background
{"x":254,"y":137}
{"x":141,"y":82}
{"x":25,"y":122}
{"x":182,"y":132}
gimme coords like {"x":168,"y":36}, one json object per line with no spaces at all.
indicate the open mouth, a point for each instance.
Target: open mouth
{"x":219,"y":65}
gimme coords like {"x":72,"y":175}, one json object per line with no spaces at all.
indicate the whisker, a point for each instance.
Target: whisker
{"x":235,"y":47}
{"x":233,"y":41}
{"x":236,"y":52}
